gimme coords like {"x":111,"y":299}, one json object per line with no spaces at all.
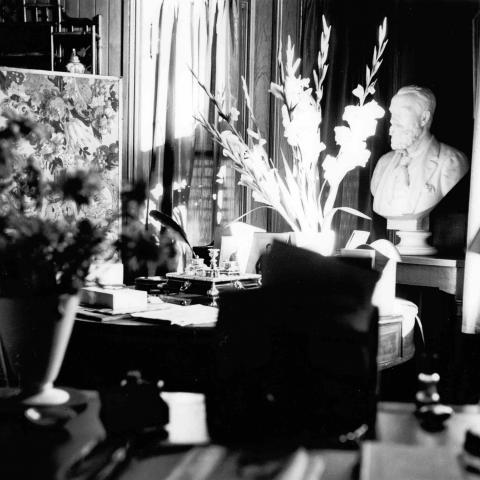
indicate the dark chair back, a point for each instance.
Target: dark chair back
{"x":296,"y":359}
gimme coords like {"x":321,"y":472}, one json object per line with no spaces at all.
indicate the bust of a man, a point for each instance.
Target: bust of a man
{"x":409,"y":181}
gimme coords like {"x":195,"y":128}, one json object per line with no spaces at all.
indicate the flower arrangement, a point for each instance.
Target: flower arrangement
{"x":45,"y":256}
{"x":297,"y":194}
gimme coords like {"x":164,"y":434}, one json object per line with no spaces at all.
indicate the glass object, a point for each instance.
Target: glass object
{"x":75,"y":66}
{"x":196,"y":267}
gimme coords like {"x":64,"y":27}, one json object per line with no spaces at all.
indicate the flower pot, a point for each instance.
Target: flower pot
{"x":34,"y":334}
{"x":320,"y":242}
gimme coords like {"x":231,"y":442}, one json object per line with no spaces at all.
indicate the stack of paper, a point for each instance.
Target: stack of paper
{"x":198,"y":315}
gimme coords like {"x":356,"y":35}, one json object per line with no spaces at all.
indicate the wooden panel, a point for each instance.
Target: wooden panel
{"x":128,"y":39}
{"x":115,"y":38}
{"x":86,"y":8}
{"x":260,"y":76}
{"x":72,"y":8}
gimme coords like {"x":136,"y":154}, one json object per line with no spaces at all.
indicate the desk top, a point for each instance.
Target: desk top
{"x":46,"y":449}
{"x":433,"y":261}
{"x":445,"y":274}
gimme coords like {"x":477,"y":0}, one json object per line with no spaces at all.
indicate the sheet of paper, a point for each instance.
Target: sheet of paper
{"x":357,"y":238}
{"x":179,"y":315}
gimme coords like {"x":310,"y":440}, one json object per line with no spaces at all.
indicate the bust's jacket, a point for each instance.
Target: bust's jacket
{"x":432,"y":176}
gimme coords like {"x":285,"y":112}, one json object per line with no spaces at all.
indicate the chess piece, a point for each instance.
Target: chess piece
{"x":213,"y":253}
{"x":430,"y":411}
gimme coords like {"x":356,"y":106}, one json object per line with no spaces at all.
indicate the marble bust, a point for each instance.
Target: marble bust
{"x":409,"y":181}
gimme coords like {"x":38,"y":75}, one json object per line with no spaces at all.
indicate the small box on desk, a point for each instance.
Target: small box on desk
{"x":118,"y":299}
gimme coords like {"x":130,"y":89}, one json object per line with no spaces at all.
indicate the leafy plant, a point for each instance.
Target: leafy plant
{"x":41,"y":256}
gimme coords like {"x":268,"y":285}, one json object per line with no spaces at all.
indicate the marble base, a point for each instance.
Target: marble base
{"x":414,"y":243}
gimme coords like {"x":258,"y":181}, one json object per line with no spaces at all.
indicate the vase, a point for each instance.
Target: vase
{"x":34,"y":334}
{"x":319,"y":242}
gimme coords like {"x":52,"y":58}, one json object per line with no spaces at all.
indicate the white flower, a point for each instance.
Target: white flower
{"x":363,"y":118}
{"x":331,"y":171}
{"x":335,"y":168}
{"x":269,"y":187}
{"x":358,"y":91}
{"x":343,"y":135}
{"x":235,"y":148}
{"x":234,"y":114}
{"x":294,"y":89}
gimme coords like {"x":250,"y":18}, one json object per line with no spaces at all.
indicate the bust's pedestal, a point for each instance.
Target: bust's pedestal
{"x":413,"y":238}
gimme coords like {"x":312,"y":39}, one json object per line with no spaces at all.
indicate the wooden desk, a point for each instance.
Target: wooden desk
{"x":100,"y":353}
{"x":41,"y":451}
{"x":445,"y":274}
{"x":395,"y":423}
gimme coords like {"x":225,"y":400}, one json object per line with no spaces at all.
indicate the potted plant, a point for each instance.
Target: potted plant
{"x":294,"y":189}
{"x":44,"y":263}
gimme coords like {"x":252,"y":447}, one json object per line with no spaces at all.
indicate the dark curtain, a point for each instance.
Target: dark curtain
{"x":430,"y":44}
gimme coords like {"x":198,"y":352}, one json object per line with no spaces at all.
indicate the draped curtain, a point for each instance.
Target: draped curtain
{"x":196,"y":35}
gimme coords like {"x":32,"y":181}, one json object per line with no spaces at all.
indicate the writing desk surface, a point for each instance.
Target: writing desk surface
{"x":395,"y":423}
{"x":433,"y":261}
{"x":445,"y":274}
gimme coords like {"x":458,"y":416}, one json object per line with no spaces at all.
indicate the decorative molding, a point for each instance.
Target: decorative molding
{"x":129,"y":66}
{"x":246,"y":39}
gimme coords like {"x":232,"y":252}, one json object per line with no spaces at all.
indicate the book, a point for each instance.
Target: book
{"x":389,"y":461}
{"x":119,"y":300}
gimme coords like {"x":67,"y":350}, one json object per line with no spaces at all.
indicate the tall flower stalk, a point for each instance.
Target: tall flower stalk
{"x":296,"y":193}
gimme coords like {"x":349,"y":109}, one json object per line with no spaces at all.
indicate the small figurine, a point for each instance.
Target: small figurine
{"x":75,"y":66}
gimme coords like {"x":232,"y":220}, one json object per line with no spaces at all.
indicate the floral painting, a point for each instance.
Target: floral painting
{"x":80,"y":119}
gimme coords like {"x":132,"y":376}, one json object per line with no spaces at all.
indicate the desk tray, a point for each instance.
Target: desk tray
{"x":196,"y":285}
